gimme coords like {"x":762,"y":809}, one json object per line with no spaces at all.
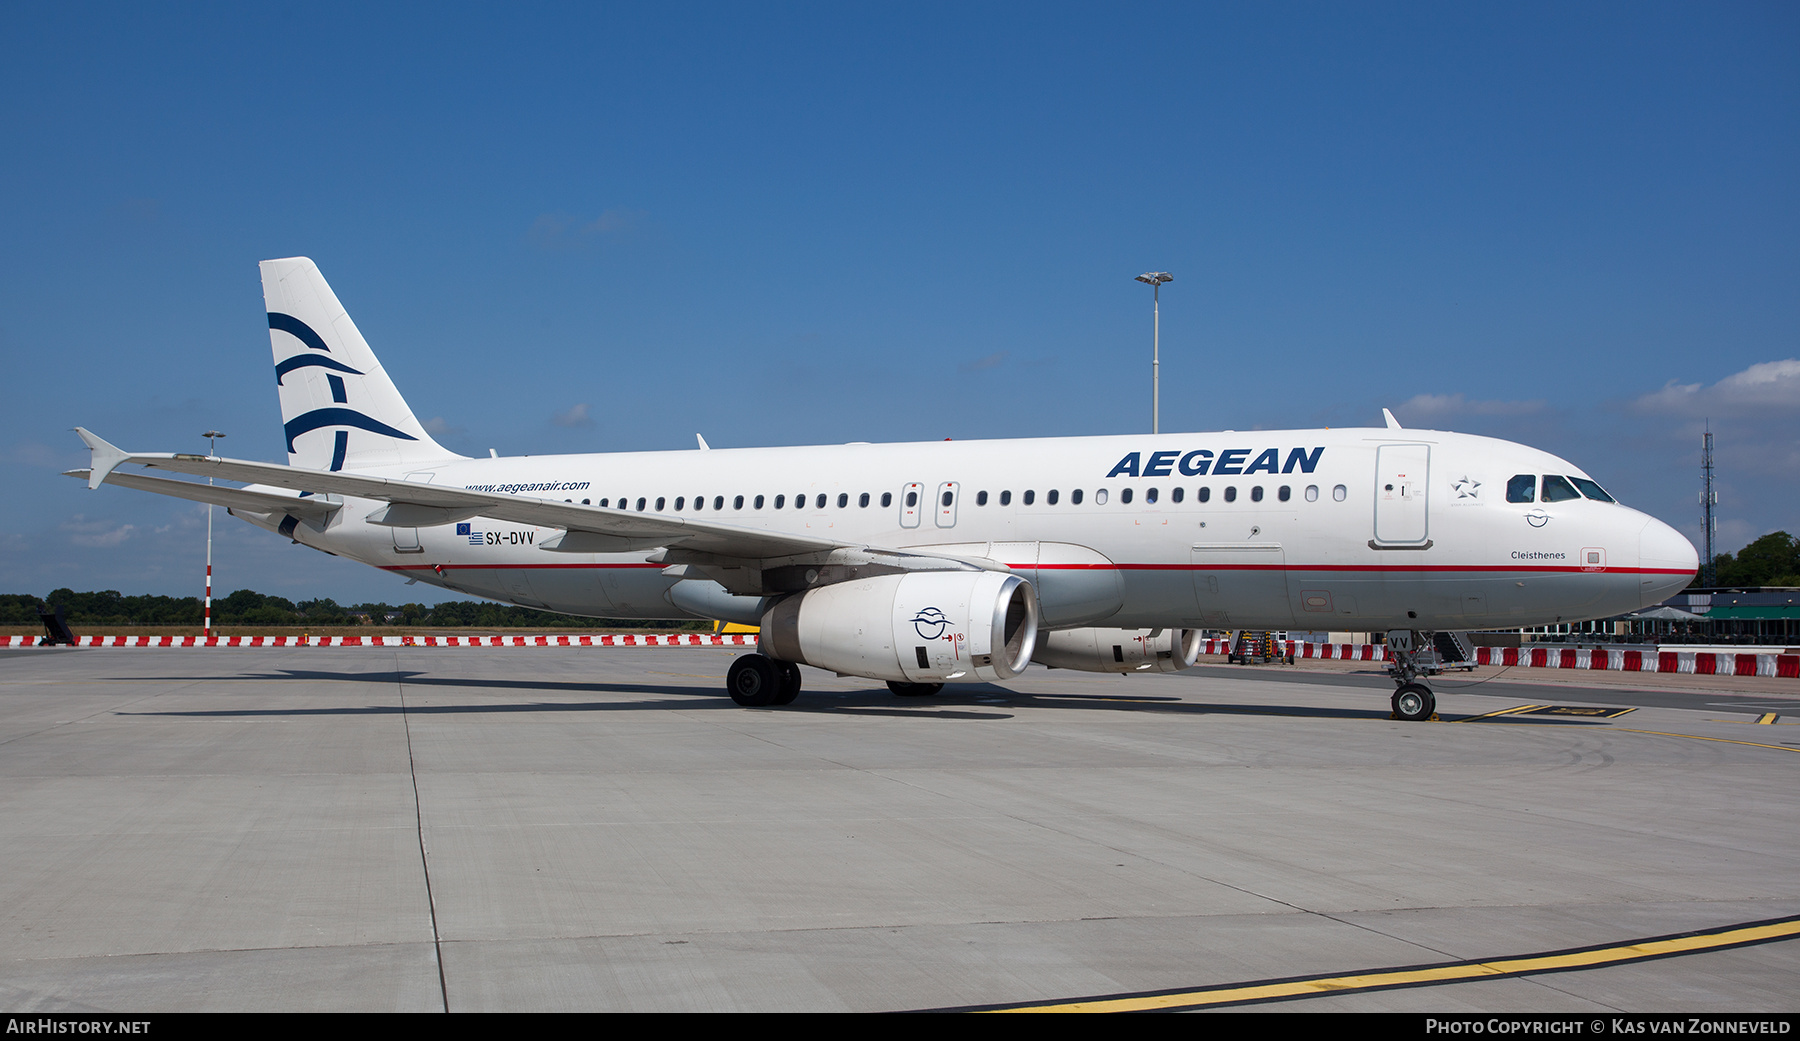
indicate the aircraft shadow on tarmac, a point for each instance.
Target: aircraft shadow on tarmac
{"x":977,"y":701}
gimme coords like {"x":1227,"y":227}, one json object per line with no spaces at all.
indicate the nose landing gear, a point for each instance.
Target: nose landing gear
{"x":1414,"y":654}
{"x":1413,"y":702}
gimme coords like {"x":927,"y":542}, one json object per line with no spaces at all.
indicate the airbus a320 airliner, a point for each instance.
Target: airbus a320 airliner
{"x":944,"y":561}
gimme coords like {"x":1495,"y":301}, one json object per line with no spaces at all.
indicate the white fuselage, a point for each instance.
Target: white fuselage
{"x":1349,"y":529}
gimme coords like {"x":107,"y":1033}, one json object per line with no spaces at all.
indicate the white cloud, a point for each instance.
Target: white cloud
{"x":1765,"y":385}
{"x":992,"y":361}
{"x":573,"y":417}
{"x":34,"y":454}
{"x":563,"y":231}
{"x":96,"y":534}
{"x":1430,"y":407}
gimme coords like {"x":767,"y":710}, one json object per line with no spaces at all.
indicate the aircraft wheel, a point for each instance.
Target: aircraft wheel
{"x":914,"y":690}
{"x":1414,"y":702}
{"x":790,"y":682}
{"x":753,"y":681}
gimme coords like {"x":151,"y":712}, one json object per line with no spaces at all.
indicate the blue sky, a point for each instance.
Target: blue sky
{"x":584,"y":228}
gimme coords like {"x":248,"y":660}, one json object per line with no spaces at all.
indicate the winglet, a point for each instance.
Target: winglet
{"x":1393,"y":424}
{"x":107,"y":457}
{"x":703,"y":445}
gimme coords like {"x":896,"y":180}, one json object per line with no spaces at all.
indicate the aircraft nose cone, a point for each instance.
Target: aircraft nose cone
{"x":1667,"y":559}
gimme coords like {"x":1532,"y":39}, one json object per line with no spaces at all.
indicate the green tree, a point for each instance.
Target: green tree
{"x":1773,"y":560}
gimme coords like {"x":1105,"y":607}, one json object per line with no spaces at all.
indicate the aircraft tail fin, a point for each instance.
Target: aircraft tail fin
{"x":339,"y":408}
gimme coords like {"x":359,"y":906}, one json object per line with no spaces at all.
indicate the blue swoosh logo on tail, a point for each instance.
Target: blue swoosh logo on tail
{"x":338,"y":417}
{"x":287,"y":323}
{"x":301,"y":361}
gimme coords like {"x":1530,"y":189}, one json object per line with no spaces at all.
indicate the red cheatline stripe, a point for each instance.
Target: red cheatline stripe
{"x":559,"y":640}
{"x":1445,"y":569}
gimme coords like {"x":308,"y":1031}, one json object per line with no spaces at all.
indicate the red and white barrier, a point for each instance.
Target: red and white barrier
{"x":1546,"y":656}
{"x":1552,"y":656}
{"x":559,"y":640}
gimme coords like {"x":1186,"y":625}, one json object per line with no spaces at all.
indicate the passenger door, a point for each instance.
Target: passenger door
{"x":1402,"y":487}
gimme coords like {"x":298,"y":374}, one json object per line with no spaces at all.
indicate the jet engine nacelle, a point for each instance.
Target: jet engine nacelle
{"x":1119,"y":650}
{"x":921,"y":627}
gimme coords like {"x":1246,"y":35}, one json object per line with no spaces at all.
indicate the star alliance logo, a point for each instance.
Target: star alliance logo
{"x":1467,"y":488}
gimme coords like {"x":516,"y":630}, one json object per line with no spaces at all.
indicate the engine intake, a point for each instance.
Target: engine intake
{"x":922,"y":627}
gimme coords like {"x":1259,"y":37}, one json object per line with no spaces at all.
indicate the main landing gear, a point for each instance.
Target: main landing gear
{"x":755,"y":680}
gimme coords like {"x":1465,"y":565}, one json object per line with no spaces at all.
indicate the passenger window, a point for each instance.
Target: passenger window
{"x":1050,"y":497}
{"x":1006,"y":498}
{"x":1522,"y":488}
{"x":1149,"y":495}
{"x":1231,"y":493}
{"x":912,"y":499}
{"x":1558,"y":489}
{"x":1100,"y":497}
{"x":1177,"y":493}
{"x":719,"y":502}
{"x":1205,"y":495}
{"x":603,"y":502}
{"x":1338,"y":492}
{"x":1592,"y":490}
{"x":887,"y":499}
{"x":819,"y":503}
{"x":1075,"y":497}
{"x":863,"y":501}
{"x":843,"y":499}
{"x":799,"y":502}
{"x":780,"y":501}
{"x":1256,"y":494}
{"x":757,"y":502}
{"x":584,"y":502}
{"x":1312,"y":493}
{"x":640,"y":505}
{"x":679,"y":501}
{"x":1124,"y":495}
{"x":1285,"y":493}
{"x":981,"y":498}
{"x":1030,"y":496}
{"x":949,"y":497}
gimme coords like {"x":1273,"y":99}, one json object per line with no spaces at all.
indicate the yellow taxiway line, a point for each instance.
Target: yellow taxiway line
{"x":1740,"y":935}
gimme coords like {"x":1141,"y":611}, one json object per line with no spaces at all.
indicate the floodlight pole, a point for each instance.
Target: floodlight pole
{"x":212,"y":437}
{"x":1155,"y":280}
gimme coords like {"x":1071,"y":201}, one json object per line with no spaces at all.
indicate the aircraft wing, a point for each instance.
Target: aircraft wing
{"x":590,"y":529}
{"x":219,"y":495}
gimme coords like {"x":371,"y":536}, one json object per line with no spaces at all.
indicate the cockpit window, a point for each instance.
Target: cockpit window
{"x":1592,"y":490}
{"x":1522,"y":488}
{"x":1558,"y":489}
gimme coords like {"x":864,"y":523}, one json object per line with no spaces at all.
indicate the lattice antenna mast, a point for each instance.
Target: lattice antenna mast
{"x":1708,"y":499}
